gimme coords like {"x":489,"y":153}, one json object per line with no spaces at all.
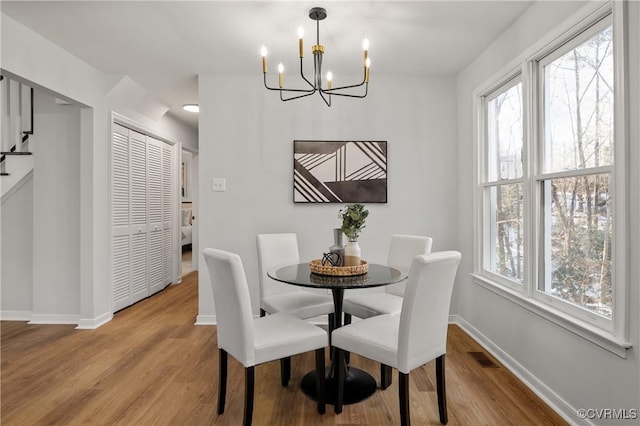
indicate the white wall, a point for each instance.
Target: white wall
{"x":570,"y":371}
{"x":30,"y":57}
{"x":16,"y":297}
{"x":174,"y":129}
{"x":167,"y":127}
{"x":247,"y":137}
{"x":45,"y":65}
{"x":56,"y":211}
{"x":33,"y":58}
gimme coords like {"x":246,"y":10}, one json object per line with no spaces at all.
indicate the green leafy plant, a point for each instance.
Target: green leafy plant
{"x":353,"y":217}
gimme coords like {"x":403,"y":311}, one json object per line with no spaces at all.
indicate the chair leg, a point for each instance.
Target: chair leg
{"x":320,"y":392}
{"x":222,"y":382}
{"x":249,"y":376}
{"x":337,"y":408}
{"x":440,"y":386}
{"x":403,"y":393}
{"x":285,"y":370}
{"x":385,"y":376}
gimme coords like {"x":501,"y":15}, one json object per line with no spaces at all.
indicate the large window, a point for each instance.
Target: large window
{"x":549,"y":179}
{"x":577,"y":144}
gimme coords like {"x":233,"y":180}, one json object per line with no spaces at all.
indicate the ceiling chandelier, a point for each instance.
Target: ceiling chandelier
{"x":315,"y":85}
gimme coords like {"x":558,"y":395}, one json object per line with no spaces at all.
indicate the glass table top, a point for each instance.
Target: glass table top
{"x":300,"y":274}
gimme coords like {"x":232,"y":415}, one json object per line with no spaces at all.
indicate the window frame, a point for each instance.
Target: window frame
{"x":611,"y":334}
{"x":511,"y":80}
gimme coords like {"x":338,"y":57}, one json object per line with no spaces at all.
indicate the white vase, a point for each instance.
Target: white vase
{"x":352,"y":253}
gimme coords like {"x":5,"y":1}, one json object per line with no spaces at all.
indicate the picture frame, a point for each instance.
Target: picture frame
{"x":339,"y":171}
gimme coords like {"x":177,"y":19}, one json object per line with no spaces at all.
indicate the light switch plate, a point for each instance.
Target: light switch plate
{"x":218,"y":184}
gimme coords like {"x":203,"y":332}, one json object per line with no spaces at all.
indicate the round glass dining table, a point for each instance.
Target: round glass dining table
{"x":358,"y":384}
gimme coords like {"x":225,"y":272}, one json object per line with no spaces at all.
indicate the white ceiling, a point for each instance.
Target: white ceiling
{"x":164,"y":45}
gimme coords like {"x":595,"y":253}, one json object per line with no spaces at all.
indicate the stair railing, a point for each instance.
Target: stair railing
{"x":17,"y":120}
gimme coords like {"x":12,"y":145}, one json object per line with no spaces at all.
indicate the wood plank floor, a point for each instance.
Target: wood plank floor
{"x":152,"y":366}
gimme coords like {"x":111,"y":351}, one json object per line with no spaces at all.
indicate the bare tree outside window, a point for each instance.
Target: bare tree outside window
{"x":505,"y":132}
{"x":577,"y":205}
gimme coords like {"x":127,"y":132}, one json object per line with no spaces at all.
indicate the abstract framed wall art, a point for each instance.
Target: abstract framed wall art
{"x":339,"y":171}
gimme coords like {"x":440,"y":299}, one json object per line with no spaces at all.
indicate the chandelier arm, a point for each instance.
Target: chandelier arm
{"x":303,"y":77}
{"x":296,"y":97}
{"x":345,"y":87}
{"x":364,"y":81}
{"x":328,"y":102}
{"x":308,"y":91}
{"x":332,"y":92}
{"x":336,"y":90}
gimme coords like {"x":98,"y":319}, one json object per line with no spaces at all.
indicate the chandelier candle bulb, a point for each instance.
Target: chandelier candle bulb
{"x":366,"y":70}
{"x":365,"y":48}
{"x":263,"y":52}
{"x":280,"y":75}
{"x":300,"y":41}
{"x":329,"y":79}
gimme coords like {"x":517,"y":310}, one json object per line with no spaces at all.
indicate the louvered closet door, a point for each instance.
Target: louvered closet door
{"x":154,"y":182}
{"x":168,"y":186}
{"x":138,"y":212}
{"x":120,"y":244}
{"x":143,"y":175}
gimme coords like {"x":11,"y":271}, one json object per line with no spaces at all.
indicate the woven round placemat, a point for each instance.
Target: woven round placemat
{"x":317,"y":267}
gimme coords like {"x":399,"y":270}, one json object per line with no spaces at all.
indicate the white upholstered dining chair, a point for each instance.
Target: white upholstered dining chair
{"x":402,"y":250}
{"x":275,"y":250}
{"x":255,"y":341}
{"x":412,"y":339}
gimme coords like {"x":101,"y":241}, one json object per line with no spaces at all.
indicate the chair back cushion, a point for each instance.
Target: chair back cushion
{"x":402,"y":250}
{"x":425,"y":309}
{"x":233,"y":304}
{"x":275,"y":250}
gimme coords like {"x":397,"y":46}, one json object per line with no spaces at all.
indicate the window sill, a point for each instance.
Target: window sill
{"x":586,"y":331}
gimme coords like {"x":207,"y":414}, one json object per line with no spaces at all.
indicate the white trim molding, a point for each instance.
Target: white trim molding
{"x":206,"y":320}
{"x":93,"y":323}
{"x":54,"y":319}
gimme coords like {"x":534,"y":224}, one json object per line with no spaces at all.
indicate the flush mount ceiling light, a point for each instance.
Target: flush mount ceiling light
{"x":191,"y":107}
{"x":315,"y":85}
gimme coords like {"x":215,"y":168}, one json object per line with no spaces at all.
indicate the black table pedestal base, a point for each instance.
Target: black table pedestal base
{"x":358,"y":385}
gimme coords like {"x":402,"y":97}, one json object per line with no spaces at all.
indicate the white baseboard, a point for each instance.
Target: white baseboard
{"x":15,"y":315}
{"x":93,"y":323}
{"x":559,"y":405}
{"x":53,"y":319}
{"x":206,"y":320}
